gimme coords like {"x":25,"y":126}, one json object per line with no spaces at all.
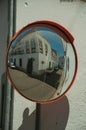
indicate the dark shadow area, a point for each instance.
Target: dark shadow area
{"x":49,"y":78}
{"x":3,"y":98}
{"x":28,"y":122}
{"x":3,"y":44}
{"x":53,"y":116}
{"x":52,"y":79}
{"x":5,"y":103}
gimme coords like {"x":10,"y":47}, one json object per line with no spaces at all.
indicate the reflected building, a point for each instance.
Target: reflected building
{"x":44,"y":56}
{"x":34,"y":54}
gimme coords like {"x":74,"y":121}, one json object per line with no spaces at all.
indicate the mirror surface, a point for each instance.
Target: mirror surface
{"x":41,"y":64}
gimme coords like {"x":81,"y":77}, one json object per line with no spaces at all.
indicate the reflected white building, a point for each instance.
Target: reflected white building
{"x":34,"y":54}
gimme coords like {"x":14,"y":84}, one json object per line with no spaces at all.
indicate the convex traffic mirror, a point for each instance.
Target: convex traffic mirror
{"x":42,"y":61}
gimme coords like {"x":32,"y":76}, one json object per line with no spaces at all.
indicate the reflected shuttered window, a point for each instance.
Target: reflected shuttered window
{"x":46,"y":49}
{"x":33,"y":46}
{"x":40,"y":46}
{"x":19,"y":51}
{"x":27,"y":46}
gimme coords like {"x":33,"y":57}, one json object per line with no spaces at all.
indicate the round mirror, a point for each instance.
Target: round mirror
{"x":42,"y":61}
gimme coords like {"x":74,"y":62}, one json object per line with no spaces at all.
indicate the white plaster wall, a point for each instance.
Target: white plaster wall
{"x":20,"y":104}
{"x":73,"y":17}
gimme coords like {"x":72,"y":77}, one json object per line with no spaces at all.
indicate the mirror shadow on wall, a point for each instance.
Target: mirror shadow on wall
{"x":52,"y":116}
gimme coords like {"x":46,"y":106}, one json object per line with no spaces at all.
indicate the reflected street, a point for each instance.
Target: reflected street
{"x":30,"y":87}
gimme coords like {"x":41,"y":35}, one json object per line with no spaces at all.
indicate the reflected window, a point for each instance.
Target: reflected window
{"x":27,"y":47}
{"x":53,"y":64}
{"x":46,"y":49}
{"x":15,"y":61}
{"x":40,"y":46}
{"x":54,"y":54}
{"x":20,"y":62}
{"x":49,"y":65}
{"x":19,"y":43}
{"x":68,"y":63}
{"x":19,"y":51}
{"x":33,"y":46}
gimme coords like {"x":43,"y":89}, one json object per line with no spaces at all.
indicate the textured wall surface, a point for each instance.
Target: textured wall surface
{"x":73,"y":17}
{"x":20,"y":105}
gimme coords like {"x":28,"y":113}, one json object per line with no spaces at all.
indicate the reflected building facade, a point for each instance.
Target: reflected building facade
{"x":34,"y":54}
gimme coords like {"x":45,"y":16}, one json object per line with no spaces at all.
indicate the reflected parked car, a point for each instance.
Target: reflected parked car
{"x":56,"y":68}
{"x":11,"y":65}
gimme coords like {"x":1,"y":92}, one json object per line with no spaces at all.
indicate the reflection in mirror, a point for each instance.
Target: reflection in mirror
{"x":41,"y":64}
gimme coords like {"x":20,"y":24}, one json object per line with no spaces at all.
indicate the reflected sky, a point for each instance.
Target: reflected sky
{"x":49,"y":35}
